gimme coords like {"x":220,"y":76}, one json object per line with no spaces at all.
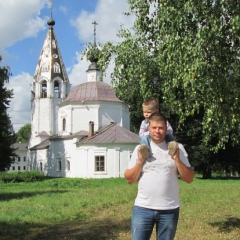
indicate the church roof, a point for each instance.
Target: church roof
{"x":113,"y":133}
{"x":92,"y":91}
{"x":43,"y":145}
{"x":50,"y":63}
{"x":20,"y":146}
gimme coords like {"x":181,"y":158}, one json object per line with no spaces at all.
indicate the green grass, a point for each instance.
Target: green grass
{"x":100,"y":209}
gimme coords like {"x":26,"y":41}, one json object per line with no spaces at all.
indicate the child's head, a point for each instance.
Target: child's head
{"x":150,"y":106}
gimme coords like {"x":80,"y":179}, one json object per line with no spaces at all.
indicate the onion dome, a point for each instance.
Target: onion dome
{"x":51,"y":22}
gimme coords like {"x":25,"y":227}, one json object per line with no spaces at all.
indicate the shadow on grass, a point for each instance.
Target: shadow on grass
{"x":229,"y":224}
{"x":95,"y":229}
{"x":20,"y":195}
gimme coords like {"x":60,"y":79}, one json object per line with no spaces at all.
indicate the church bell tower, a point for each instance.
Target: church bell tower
{"x":50,"y":86}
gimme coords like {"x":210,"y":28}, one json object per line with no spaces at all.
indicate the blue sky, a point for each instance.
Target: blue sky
{"x":23,"y":27}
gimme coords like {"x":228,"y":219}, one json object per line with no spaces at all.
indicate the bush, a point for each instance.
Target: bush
{"x":28,"y":176}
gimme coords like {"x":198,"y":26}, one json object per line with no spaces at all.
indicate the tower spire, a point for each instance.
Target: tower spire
{"x":95,"y":23}
{"x":51,"y":22}
{"x":51,"y":7}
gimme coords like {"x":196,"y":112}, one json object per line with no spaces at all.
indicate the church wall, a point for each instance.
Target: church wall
{"x":116,"y":158}
{"x":113,"y":112}
{"x":78,"y":116}
{"x":126,"y":118}
{"x":38,"y":160}
{"x":44,"y":113}
{"x":81,"y":116}
{"x":61,"y":157}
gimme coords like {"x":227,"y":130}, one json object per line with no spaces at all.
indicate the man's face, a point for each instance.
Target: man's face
{"x":157,"y":131}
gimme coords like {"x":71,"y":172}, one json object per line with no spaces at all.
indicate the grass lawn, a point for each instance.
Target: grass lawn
{"x":100,"y":209}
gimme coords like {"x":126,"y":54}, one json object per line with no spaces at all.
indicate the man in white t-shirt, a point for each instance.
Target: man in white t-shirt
{"x":157,"y":201}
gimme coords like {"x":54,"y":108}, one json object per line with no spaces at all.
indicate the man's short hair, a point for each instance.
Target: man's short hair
{"x":157,"y":117}
{"x":151,"y":103}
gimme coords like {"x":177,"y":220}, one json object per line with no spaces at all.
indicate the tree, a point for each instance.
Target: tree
{"x":7,"y":135}
{"x":187,"y":51}
{"x":24,"y":133}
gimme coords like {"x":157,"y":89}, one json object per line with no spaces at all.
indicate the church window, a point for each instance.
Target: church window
{"x":64,"y":124}
{"x":41,"y":166}
{"x":56,"y":68}
{"x":45,"y":67}
{"x":44,"y":89}
{"x":68,"y":165}
{"x":56,"y":89}
{"x":99,"y":163}
{"x":54,"y":44}
{"x":59,"y":165}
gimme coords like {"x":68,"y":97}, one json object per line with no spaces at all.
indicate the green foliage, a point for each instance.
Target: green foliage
{"x":7,"y":135}
{"x":24,"y":133}
{"x":185,"y":53}
{"x":16,"y":177}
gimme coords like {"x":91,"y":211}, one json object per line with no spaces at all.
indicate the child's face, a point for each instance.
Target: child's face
{"x":147,"y":112}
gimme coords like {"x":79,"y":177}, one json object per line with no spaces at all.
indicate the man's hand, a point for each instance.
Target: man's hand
{"x":186,"y":173}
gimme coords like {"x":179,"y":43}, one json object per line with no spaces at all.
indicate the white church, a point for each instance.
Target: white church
{"x":82,"y":132}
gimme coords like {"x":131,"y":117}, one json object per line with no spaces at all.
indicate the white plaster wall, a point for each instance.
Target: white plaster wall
{"x":61,"y":150}
{"x":82,"y":159}
{"x":116,"y":156}
{"x":79,"y":115}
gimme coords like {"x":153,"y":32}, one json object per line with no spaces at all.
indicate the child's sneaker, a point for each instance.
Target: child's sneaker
{"x":144,"y":150}
{"x":172,"y":147}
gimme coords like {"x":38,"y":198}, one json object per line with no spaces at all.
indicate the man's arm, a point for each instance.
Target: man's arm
{"x":186,"y":173}
{"x":132,"y":175}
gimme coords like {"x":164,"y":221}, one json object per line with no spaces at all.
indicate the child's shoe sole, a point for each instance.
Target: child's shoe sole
{"x":172,"y":147}
{"x":144,"y":151}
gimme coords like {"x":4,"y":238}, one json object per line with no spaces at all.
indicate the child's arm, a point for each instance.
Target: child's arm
{"x":143,"y":129}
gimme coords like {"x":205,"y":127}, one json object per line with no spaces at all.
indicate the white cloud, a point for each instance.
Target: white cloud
{"x":18,"y":20}
{"x":20,"y":106}
{"x":109,"y":15}
{"x":63,"y":9}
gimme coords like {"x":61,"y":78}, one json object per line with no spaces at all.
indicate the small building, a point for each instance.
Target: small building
{"x":20,"y":164}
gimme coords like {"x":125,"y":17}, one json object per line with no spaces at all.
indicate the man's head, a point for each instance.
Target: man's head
{"x":150,"y":106}
{"x":157,"y":127}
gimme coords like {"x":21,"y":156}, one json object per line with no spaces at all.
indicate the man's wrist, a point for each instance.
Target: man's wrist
{"x":139,"y":162}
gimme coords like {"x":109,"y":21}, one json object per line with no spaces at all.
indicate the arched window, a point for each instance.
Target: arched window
{"x":56,"y":68}
{"x":68,"y":165}
{"x":64,"y":124}
{"x":41,"y":168}
{"x":45,"y":67}
{"x":44,"y":89}
{"x":56,"y":89}
{"x":59,"y":165}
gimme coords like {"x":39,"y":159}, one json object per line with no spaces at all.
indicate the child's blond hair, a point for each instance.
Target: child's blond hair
{"x":151,"y":104}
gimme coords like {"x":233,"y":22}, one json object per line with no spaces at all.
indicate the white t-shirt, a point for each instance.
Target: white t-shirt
{"x":158,"y":184}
